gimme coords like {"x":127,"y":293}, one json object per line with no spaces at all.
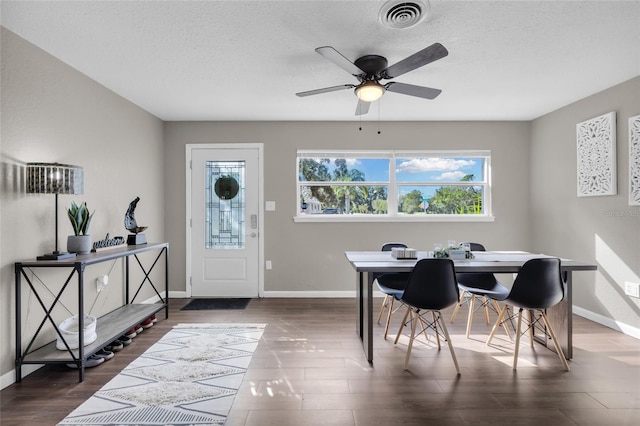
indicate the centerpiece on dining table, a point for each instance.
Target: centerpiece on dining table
{"x":454,"y":252}
{"x":404,"y":253}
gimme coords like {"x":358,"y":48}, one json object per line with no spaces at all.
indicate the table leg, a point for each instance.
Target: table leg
{"x":369,"y":314}
{"x":166,"y":282}
{"x":560,"y":318}
{"x":80,"y":270}
{"x":18,"y":272}
{"x":365,"y":312}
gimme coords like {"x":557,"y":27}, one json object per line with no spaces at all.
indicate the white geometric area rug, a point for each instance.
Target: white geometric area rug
{"x":189,"y":377}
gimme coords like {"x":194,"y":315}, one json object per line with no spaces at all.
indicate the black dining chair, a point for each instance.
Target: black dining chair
{"x":392,"y":285}
{"x":475,"y":287}
{"x":538,"y":286}
{"x":431,"y":287}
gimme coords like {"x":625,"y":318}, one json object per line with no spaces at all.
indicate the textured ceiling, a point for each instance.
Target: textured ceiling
{"x":240,"y":60}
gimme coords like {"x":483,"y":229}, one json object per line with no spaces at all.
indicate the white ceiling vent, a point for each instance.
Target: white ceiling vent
{"x":403,"y":14}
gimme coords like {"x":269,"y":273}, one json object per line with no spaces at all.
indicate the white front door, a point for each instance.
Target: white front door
{"x":225,"y":221}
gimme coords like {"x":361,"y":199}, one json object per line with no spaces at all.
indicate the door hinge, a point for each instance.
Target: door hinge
{"x":190,"y":280}
{"x":190,"y":223}
{"x":191,"y":164}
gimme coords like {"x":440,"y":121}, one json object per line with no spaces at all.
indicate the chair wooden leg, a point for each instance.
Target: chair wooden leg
{"x":446,"y":335}
{"x":515,"y":352}
{"x":504,"y":324}
{"x":497,"y":324}
{"x":386,"y":328}
{"x":384,"y":305}
{"x":457,"y":308}
{"x":485,"y":303}
{"x":404,"y":320}
{"x":555,"y":342}
{"x":414,"y":323}
{"x":470,"y":317}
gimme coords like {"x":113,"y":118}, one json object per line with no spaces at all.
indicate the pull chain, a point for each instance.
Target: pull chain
{"x":379,"y":101}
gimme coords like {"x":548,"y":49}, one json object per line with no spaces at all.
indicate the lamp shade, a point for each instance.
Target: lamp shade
{"x":54,"y":178}
{"x":369,"y":91}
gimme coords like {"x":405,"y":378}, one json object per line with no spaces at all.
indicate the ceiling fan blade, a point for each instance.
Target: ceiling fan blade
{"x":337,"y":58}
{"x":425,"y":56}
{"x":325,"y":90}
{"x":411,"y":90}
{"x":362,"y":108}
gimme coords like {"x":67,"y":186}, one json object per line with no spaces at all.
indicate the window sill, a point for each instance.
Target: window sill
{"x":324,"y":218}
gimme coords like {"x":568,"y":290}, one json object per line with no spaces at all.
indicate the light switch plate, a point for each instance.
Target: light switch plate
{"x":632,"y":289}
{"x":270,"y":206}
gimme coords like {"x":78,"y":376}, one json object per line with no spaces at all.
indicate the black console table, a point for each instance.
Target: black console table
{"x":108,"y":327}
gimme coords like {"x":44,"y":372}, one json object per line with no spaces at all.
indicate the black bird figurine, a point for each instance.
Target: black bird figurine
{"x":132,"y":226}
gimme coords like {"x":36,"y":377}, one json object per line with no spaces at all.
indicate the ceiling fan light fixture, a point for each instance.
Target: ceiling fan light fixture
{"x":369,"y":91}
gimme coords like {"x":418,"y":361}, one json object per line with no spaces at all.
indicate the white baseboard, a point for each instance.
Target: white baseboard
{"x":608,"y":322}
{"x":9,"y":378}
{"x":309,"y":294}
{"x":291,"y":294}
{"x":316,"y":294}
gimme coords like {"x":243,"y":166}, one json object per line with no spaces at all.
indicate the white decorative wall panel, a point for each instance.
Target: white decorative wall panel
{"x":634,"y":161}
{"x":596,"y":142}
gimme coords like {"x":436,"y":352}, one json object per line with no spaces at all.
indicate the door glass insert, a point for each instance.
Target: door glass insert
{"x":224,"y":205}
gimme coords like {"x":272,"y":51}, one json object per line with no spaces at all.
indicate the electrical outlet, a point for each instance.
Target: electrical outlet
{"x":268,"y":264}
{"x":101,"y":282}
{"x":632,"y":289}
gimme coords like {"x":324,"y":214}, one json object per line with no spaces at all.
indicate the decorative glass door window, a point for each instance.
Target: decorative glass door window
{"x":224,"y":205}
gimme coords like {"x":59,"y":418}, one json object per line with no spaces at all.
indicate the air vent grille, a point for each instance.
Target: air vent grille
{"x":403,"y":14}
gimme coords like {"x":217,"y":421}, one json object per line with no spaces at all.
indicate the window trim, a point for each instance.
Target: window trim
{"x":392,"y":194}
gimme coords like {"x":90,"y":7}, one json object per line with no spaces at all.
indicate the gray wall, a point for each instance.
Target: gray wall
{"x":603,"y":229}
{"x":52,"y":113}
{"x":319,"y":263}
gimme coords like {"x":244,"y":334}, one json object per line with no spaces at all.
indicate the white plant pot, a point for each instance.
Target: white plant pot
{"x":80,"y":244}
{"x":457,"y":254}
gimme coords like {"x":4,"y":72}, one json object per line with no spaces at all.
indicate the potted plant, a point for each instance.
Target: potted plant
{"x":80,"y":219}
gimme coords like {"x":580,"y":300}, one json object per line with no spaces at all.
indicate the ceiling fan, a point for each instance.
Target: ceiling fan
{"x":370,"y":69}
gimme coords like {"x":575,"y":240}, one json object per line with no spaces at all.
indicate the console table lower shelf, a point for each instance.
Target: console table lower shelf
{"x":108,"y":328}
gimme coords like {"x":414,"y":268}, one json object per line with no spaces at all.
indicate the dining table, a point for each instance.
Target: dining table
{"x":369,"y":264}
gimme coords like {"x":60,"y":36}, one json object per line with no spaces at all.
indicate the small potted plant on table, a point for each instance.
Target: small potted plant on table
{"x":80,"y":219}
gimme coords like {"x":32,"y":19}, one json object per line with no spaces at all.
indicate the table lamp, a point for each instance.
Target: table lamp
{"x":55,"y":178}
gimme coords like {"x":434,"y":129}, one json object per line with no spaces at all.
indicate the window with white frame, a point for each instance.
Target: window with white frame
{"x":403,"y":185}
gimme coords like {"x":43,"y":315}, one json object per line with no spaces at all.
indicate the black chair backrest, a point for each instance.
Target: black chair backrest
{"x":481,"y":280}
{"x":539,"y":284}
{"x":432,"y":285}
{"x":476,"y":246}
{"x":389,"y":246}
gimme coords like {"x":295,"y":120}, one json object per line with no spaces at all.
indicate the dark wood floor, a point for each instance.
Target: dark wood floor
{"x":309,"y":369}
